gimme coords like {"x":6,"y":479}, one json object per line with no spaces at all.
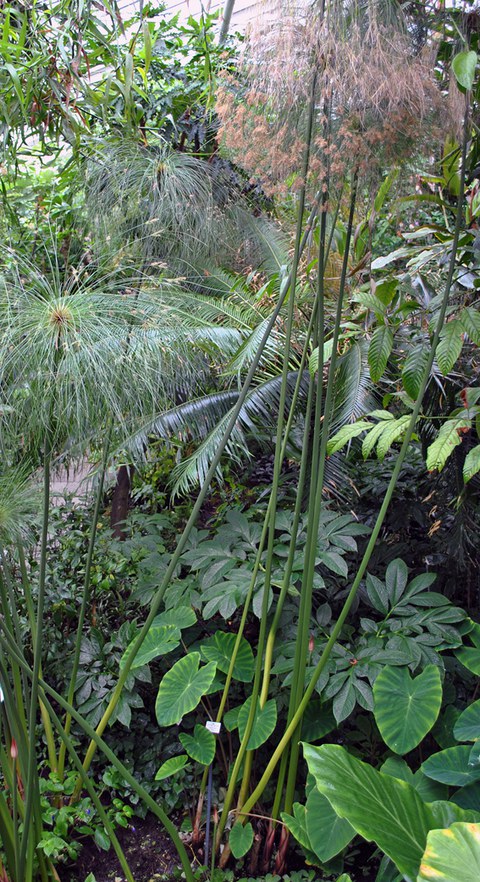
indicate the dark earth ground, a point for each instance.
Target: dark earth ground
{"x":148,"y":850}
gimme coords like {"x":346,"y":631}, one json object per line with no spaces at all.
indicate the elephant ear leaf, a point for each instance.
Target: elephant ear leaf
{"x":452,"y":855}
{"x":380,"y":808}
{"x":182,"y":688}
{"x":406,"y":708}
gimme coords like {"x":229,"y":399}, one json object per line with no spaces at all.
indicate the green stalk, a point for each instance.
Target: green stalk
{"x":291,"y":728}
{"x":298,"y":680}
{"x":47,"y":725}
{"x":273,"y":496}
{"x":85,"y":599}
{"x":32,"y":791}
{"x":44,"y":690}
{"x":157,"y":600}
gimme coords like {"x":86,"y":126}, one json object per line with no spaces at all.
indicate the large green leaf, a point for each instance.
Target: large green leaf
{"x":379,"y":351}
{"x":452,"y":855}
{"x":405,"y":708}
{"x":451,"y":766}
{"x":200,"y":746}
{"x":472,"y":463}
{"x":470,"y":657}
{"x":160,"y":640}
{"x":219,"y":649}
{"x":263,"y":724}
{"x":240,"y":839}
{"x":171,"y":766}
{"x":449,"y":437}
{"x":428,"y":789}
{"x":345,"y":434}
{"x":181,"y":617}
{"x":297,"y":824}
{"x":327,"y":832}
{"x":450,"y":346}
{"x":393,"y":431}
{"x":182,"y":688}
{"x":467,"y":727}
{"x":414,"y":369}
{"x":379,"y":807}
{"x":463,"y":66}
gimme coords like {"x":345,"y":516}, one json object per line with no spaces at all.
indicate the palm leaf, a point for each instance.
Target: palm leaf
{"x":354,"y":390}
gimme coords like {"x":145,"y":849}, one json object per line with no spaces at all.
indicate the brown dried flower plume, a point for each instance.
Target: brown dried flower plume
{"x":376,"y":97}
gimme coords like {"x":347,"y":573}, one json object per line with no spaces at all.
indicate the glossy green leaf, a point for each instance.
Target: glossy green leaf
{"x":394,"y":430}
{"x":463,"y":66}
{"x":219,"y":649}
{"x":414,"y":369}
{"x":296,"y":824}
{"x":102,"y":838}
{"x":379,"y":807}
{"x":469,"y":656}
{"x":263,"y":724}
{"x":467,"y":727}
{"x":240,"y":839}
{"x":182,"y":617}
{"x":468,"y":797}
{"x":452,"y":855}
{"x":182,"y":688}
{"x":171,"y":766}
{"x":471,"y":466}
{"x":379,"y":351}
{"x":405,"y":709}
{"x":470,"y":319}
{"x":200,"y":746}
{"x":451,"y":766}
{"x":428,"y":789}
{"x":450,"y":346}
{"x":346,"y":434}
{"x":449,"y":437}
{"x":160,"y":640}
{"x":328,"y":833}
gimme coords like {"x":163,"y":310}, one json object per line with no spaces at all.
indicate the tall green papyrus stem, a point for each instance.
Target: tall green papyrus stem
{"x":292,"y":726}
{"x":272,"y":508}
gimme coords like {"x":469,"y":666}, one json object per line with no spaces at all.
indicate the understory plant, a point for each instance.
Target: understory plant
{"x":83,"y":358}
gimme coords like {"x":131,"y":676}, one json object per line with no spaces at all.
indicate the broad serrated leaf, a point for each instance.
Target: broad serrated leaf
{"x":406,"y":709}
{"x":200,"y":746}
{"x":345,"y":434}
{"x":470,"y":320}
{"x":414,"y":370}
{"x":379,"y":351}
{"x":393,"y":431}
{"x":182,"y":688}
{"x":240,"y":839}
{"x":449,"y":437}
{"x":450,"y":346}
{"x":171,"y":766}
{"x":472,"y":463}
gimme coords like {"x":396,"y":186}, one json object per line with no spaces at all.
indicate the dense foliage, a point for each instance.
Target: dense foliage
{"x":238,"y":286}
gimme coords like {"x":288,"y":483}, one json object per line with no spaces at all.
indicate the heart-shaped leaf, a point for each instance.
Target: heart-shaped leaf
{"x":219,"y":649}
{"x":171,"y":766}
{"x":263,"y":724}
{"x":182,"y":688}
{"x":463,"y":66}
{"x":467,"y":727}
{"x":240,"y":839}
{"x":160,"y":640}
{"x":181,"y":617}
{"x":405,"y":708}
{"x":452,"y":855}
{"x":452,"y":766}
{"x":200,"y":746}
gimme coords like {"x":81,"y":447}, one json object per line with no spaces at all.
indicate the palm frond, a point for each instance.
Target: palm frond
{"x":268,"y":246}
{"x":354,"y":390}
